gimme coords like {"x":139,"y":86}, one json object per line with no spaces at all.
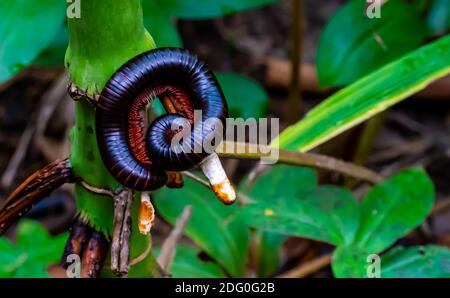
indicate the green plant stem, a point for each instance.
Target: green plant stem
{"x":366,"y":142}
{"x":295,"y":97}
{"x":107,"y":35}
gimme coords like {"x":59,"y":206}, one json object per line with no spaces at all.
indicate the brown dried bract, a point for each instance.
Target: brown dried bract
{"x":146,"y":218}
{"x":36,"y":187}
{"x":94,"y":255}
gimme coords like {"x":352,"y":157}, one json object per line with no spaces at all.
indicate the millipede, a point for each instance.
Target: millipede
{"x":139,"y":159}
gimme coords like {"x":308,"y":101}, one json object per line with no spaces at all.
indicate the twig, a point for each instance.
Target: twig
{"x":97,"y":190}
{"x":366,"y":142}
{"x":197,"y":179}
{"x":440,"y":207}
{"x":307,"y":268}
{"x":19,"y":154}
{"x":167,"y":253}
{"x":48,"y":104}
{"x":295,"y":97}
{"x":278,"y":75}
{"x":243,"y":198}
{"x":252,"y":151}
{"x":120,"y":246}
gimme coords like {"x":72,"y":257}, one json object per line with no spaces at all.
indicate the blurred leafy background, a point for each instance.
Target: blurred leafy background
{"x":290,"y":219}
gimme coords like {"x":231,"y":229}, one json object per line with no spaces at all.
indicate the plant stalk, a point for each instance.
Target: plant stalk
{"x":294,"y":106}
{"x":107,"y":34}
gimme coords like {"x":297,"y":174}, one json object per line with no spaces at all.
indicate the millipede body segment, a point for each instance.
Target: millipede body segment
{"x":138,"y":158}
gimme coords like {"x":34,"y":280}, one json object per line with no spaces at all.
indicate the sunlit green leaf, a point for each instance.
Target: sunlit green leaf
{"x":369,"y":96}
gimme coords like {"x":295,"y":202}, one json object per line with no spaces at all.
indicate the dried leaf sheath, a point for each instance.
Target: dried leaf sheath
{"x":35,"y":188}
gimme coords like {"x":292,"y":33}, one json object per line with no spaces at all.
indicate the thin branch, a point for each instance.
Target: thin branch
{"x":167,"y":253}
{"x":97,"y":190}
{"x":197,"y":179}
{"x":295,"y":96}
{"x":120,"y":246}
{"x":253,"y":151}
{"x":48,"y":104}
{"x":308,"y":268}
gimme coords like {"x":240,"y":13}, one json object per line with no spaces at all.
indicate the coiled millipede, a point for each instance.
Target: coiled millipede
{"x":140,"y":160}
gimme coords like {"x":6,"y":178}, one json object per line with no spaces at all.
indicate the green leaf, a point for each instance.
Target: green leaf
{"x":8,"y":258}
{"x":54,"y":54}
{"x":35,"y":250}
{"x":159,"y":23}
{"x":350,"y":261}
{"x":369,"y":96}
{"x":30,"y":233}
{"x":439,"y":16}
{"x":27,"y":27}
{"x":268,"y":252}
{"x":187,"y":264}
{"x":413,"y":262}
{"x":280,"y":180}
{"x":328,"y":214}
{"x":245,"y":97}
{"x":393,"y":208}
{"x":212,"y":225}
{"x":205,"y":9}
{"x":353,"y":45}
{"x":416,"y":262}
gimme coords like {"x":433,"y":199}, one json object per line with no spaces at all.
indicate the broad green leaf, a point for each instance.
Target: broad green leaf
{"x":413,"y":262}
{"x":280,"y":180}
{"x":187,"y":264}
{"x":439,"y":16}
{"x":350,"y":261}
{"x":158,"y":21}
{"x":212,"y":225}
{"x":205,"y":9}
{"x":268,"y":252}
{"x":8,"y":258}
{"x":35,"y":250}
{"x":418,"y":262}
{"x":369,"y":96}
{"x":30,"y":234}
{"x":393,"y":208}
{"x":54,"y":54}
{"x":26,"y":28}
{"x":245,"y":97}
{"x":328,"y":214}
{"x":353,"y":45}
